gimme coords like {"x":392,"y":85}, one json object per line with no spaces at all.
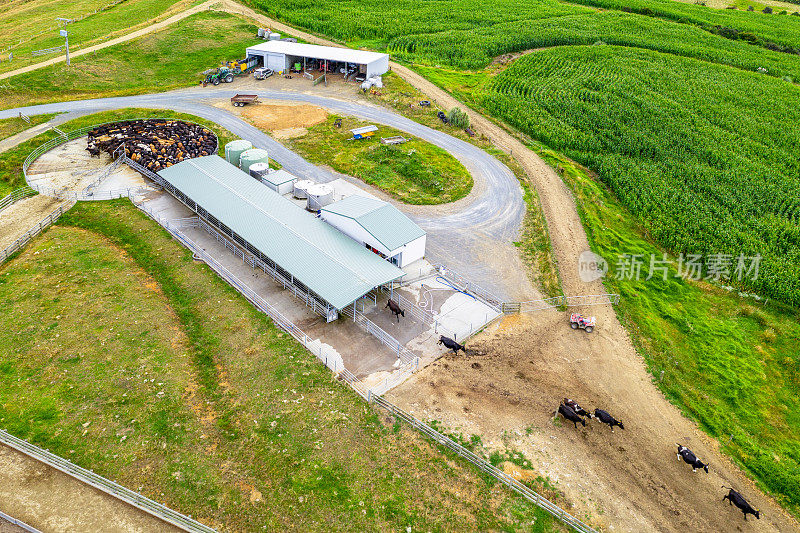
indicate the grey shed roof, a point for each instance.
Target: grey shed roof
{"x":327,"y":261}
{"x":382,"y":220}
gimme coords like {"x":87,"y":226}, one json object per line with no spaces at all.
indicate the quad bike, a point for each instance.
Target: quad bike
{"x":586,"y":323}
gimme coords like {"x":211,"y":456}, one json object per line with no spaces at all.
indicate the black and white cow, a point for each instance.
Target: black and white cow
{"x":451,"y":344}
{"x":690,"y":458}
{"x":394,"y":307}
{"x":577,"y":408}
{"x":734,"y":498}
{"x":569,"y":414}
{"x":606,"y":418}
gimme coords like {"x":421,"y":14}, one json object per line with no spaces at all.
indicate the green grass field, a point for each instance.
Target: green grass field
{"x":34,"y":23}
{"x":12,"y":126}
{"x":159,"y":61}
{"x":11,"y":161}
{"x":121,"y":353}
{"x":415,"y":172}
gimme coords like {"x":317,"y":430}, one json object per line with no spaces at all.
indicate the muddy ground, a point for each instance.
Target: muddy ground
{"x":510,"y":384}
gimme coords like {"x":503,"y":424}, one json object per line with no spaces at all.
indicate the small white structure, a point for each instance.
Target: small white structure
{"x":280,"y":55}
{"x":279,"y":181}
{"x":378,"y":226}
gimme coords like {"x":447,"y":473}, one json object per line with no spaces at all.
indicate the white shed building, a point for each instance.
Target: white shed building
{"x":281,"y":55}
{"x":378,"y":226}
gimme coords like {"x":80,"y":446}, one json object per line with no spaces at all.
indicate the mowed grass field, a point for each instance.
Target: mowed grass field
{"x":169,"y":59}
{"x":120,"y":352}
{"x":34,"y":23}
{"x":415,"y":172}
{"x":11,"y":176}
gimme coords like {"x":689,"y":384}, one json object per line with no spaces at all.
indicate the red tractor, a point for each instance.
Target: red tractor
{"x":584,"y":322}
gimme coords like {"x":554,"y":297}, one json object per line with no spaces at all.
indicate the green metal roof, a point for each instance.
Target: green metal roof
{"x":382,"y":220}
{"x":278,"y":177}
{"x":327,"y":261}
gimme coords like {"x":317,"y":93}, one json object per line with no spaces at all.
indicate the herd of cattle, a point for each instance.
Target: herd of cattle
{"x":576,"y":414}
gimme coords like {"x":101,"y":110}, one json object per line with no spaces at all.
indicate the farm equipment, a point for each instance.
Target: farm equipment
{"x":216,"y":75}
{"x":241,"y":65}
{"x":243,"y":99}
{"x":337,"y":123}
{"x":396,"y":139}
{"x":586,"y":323}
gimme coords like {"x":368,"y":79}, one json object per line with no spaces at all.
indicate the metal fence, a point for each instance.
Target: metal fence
{"x":560,"y":301}
{"x":15,"y":196}
{"x":14,"y":522}
{"x":515,"y":485}
{"x":35,"y":230}
{"x":105,"y":485}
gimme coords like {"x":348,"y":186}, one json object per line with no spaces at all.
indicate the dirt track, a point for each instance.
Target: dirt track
{"x":52,"y":501}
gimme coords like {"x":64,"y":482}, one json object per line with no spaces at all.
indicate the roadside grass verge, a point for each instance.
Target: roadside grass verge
{"x":415,"y":172}
{"x":729,"y":362}
{"x":11,"y":176}
{"x":250,"y":431}
{"x":35,"y":24}
{"x":172,"y":58}
{"x":14,"y":125}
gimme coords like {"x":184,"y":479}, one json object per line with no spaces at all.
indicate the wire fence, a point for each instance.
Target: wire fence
{"x":35,"y":230}
{"x":560,"y":301}
{"x":107,"y":486}
{"x":486,"y":467}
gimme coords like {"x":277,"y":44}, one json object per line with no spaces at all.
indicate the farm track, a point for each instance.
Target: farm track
{"x":635,"y":481}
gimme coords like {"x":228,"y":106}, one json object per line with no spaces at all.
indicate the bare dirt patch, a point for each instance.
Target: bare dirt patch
{"x":49,"y":500}
{"x":272,"y":117}
{"x":21,"y":216}
{"x":630,"y":479}
{"x":289,"y":133}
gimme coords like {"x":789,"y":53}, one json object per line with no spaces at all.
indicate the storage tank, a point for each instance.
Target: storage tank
{"x":234,"y":150}
{"x":257,"y":170}
{"x":261,"y":33}
{"x":254,"y":155}
{"x":274,"y":36}
{"x":319,"y":196}
{"x":301,"y":188}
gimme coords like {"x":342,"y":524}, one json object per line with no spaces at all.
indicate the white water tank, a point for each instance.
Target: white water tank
{"x":319,"y":196}
{"x":257,"y":170}
{"x":301,"y":188}
{"x":261,"y":33}
{"x":274,"y":36}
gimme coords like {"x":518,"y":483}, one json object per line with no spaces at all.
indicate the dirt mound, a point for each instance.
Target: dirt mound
{"x":629,"y":479}
{"x":271,"y":117}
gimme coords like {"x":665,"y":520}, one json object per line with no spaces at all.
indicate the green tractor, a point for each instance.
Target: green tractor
{"x":215,"y":76}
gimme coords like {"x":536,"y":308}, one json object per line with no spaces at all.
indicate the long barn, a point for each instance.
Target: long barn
{"x":318,"y":259}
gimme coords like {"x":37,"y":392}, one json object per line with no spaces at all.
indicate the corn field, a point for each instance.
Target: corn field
{"x":707,"y":159}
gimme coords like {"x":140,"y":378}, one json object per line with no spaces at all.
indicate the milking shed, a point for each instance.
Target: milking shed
{"x":323,"y":266}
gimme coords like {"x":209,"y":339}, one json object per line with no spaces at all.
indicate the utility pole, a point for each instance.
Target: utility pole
{"x":65,"y":34}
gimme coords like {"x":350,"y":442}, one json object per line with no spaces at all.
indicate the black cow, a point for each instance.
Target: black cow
{"x":451,"y":344}
{"x":395,"y":308}
{"x":734,"y":498}
{"x":690,"y":458}
{"x":606,"y":418}
{"x":569,"y":414}
{"x":577,"y":408}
